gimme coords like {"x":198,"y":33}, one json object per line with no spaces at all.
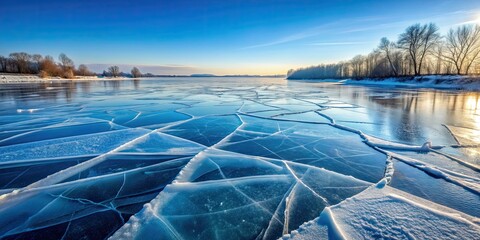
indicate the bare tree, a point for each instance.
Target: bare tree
{"x":373,"y":64}
{"x":388,"y":48}
{"x":430,"y":40}
{"x":21,"y":60}
{"x":66,"y":62}
{"x":463,"y":47}
{"x":419,"y":40}
{"x":3,"y":63}
{"x":67,"y":65}
{"x":83,"y":70}
{"x":49,"y":68}
{"x":439,"y":59}
{"x":36,"y":61}
{"x":419,"y":50}
{"x":114,"y":71}
{"x":323,"y":71}
{"x":136,"y":72}
{"x":357,"y":64}
{"x":37,"y":58}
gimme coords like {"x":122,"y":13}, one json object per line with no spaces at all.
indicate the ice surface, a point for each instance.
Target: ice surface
{"x":105,"y":193}
{"x":235,"y":158}
{"x":464,"y":135}
{"x":468,"y":149}
{"x":469,"y":155}
{"x":21,"y":174}
{"x":441,"y":162}
{"x":91,"y":144}
{"x":71,"y":127}
{"x":156,"y":119}
{"x":239,"y":196}
{"x":312,"y":144}
{"x":104,"y":202}
{"x":206,"y":130}
{"x":430,"y":187}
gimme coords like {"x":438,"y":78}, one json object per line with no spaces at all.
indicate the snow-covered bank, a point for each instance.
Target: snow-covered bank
{"x":430,"y":81}
{"x":427,"y":81}
{"x":18,"y":78}
{"x":30,"y":78}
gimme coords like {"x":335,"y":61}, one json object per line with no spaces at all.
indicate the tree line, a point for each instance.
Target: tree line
{"x":419,"y":50}
{"x":24,"y":63}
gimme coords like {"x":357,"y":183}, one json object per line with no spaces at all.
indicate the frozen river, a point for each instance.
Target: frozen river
{"x":237,"y":158}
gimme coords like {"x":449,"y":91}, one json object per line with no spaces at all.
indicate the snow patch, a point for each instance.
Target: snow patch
{"x":388,"y":213}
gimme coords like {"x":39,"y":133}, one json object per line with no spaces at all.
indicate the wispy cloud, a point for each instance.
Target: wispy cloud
{"x":335,"y":43}
{"x":371,"y":23}
{"x":473,"y":16}
{"x":467,"y":22}
{"x":297,"y":36}
{"x":287,"y":39}
{"x":457,"y":17}
{"x":331,"y":27}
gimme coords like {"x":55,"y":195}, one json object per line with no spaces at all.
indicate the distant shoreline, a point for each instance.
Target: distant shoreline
{"x":13,"y":78}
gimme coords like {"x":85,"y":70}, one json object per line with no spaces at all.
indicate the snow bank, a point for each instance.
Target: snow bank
{"x":10,"y":78}
{"x":29,"y":78}
{"x":429,"y":81}
{"x":388,"y":213}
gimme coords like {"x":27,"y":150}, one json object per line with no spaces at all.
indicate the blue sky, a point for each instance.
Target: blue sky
{"x":221,"y":37}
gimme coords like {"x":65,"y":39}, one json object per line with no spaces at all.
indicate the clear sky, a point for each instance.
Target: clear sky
{"x":220,"y":37}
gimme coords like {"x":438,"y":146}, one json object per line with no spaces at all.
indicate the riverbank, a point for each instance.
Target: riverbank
{"x":428,"y":81}
{"x":31,"y":78}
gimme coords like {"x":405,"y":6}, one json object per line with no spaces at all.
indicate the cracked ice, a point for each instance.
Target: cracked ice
{"x":231,"y":159}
